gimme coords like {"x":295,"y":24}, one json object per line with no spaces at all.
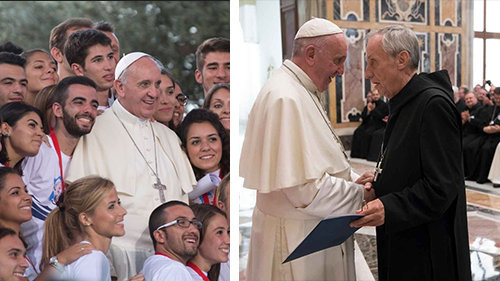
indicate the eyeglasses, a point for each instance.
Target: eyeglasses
{"x":182,"y":222}
{"x":182,"y":99}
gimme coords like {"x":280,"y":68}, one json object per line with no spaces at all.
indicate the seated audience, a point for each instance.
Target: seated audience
{"x":373,"y":114}
{"x":472,"y":135}
{"x":214,"y":243}
{"x":217,"y":101}
{"x":40,"y":71}
{"x":492,"y":137}
{"x":88,"y":212}
{"x":207,"y":146}
{"x":22,"y":133}
{"x":175,"y":232}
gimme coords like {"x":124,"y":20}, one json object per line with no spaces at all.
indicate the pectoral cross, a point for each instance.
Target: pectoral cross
{"x":161,"y":187}
{"x":378,"y":171}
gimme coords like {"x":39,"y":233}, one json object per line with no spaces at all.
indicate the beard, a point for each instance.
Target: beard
{"x":72,"y":127}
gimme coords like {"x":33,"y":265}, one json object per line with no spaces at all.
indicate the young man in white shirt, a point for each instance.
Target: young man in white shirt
{"x":175,"y":234}
{"x":75,"y":109}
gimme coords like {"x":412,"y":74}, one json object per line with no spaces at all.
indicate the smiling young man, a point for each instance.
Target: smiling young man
{"x":152,"y":167}
{"x":212,"y":63}
{"x":175,"y":233}
{"x":12,"y":260}
{"x":13,"y":82}
{"x":75,"y":110}
{"x":89,"y":53}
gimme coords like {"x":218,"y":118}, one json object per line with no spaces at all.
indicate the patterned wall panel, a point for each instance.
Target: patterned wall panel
{"x":353,"y":82}
{"x":409,"y":11}
{"x":352,"y":10}
{"x":448,"y":55}
{"x":424,"y":40}
{"x":440,"y":36}
{"x":448,"y":12}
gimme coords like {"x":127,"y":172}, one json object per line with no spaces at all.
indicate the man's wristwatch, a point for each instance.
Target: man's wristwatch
{"x":55,"y":264}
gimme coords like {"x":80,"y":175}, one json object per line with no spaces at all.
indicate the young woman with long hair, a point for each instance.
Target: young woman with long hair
{"x":214,"y":243}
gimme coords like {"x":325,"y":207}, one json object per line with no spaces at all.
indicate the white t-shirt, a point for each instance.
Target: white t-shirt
{"x":159,"y":268}
{"x":91,"y":267}
{"x":41,"y":174}
{"x":225,"y":273}
{"x":195,"y":275}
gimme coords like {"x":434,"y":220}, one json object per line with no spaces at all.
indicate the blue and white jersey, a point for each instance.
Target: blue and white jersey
{"x":41,"y":174}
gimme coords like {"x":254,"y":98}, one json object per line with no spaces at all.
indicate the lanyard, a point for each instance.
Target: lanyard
{"x":58,"y":150}
{"x":197,"y":270}
{"x":162,"y":254}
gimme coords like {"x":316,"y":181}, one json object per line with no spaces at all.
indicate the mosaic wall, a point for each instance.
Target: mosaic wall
{"x":439,"y":28}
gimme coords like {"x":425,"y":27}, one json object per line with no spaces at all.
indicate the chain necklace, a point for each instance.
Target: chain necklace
{"x":322,"y":113}
{"x":158,"y":185}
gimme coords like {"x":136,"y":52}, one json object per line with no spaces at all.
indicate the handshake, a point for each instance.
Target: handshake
{"x":373,"y":211}
{"x":366,"y":180}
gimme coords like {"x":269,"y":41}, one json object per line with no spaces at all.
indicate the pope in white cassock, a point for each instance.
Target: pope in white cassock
{"x":297,"y":164}
{"x":142,"y":158}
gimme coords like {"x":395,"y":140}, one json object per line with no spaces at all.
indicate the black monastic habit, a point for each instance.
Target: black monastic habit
{"x":424,"y":236}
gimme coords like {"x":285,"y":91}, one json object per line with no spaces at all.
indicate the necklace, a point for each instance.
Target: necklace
{"x":322,"y":113}
{"x":158,"y":185}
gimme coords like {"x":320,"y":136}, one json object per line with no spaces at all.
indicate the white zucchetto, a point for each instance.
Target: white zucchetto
{"x":317,"y":27}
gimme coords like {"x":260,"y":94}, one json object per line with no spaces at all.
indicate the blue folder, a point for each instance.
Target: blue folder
{"x":328,"y":233}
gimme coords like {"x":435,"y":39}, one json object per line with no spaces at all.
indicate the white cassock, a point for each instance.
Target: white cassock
{"x":494,"y":175}
{"x":109,"y":152}
{"x":291,"y":156}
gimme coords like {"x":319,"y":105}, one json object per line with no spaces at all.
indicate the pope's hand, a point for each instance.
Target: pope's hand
{"x":374,"y":214}
{"x":365,"y":178}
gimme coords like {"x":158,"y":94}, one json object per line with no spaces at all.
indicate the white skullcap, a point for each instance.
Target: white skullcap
{"x":317,"y":27}
{"x":126,"y":61}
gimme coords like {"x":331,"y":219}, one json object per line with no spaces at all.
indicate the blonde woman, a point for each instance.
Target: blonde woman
{"x":88,"y":212}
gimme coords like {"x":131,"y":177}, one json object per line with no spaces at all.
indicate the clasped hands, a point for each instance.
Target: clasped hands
{"x":373,"y":211}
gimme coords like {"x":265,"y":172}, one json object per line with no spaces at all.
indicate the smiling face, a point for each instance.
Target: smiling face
{"x":12,"y":259}
{"x":216,"y":70}
{"x":107,"y":218}
{"x":215,"y":246}
{"x":79,"y":113}
{"x":40,"y":72}
{"x":204,"y":147}
{"x":166,"y":102}
{"x":220,"y":105}
{"x":470,"y":100}
{"x":179,"y":108}
{"x":180,"y":243}
{"x":99,"y":66}
{"x":13,"y":83}
{"x":329,"y":61}
{"x":25,"y":137}
{"x":15,"y":202}
{"x":139,"y":93}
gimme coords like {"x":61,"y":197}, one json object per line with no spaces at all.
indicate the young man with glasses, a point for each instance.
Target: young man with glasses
{"x":175,"y":234}
{"x":179,"y":108}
